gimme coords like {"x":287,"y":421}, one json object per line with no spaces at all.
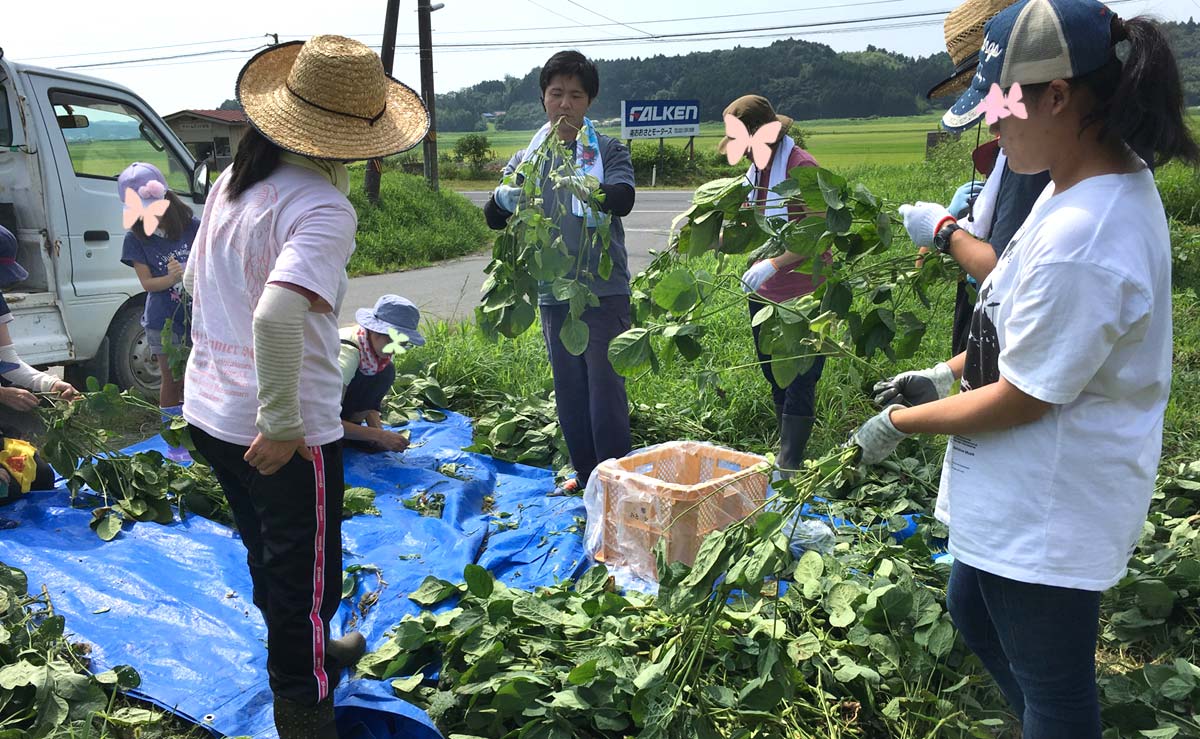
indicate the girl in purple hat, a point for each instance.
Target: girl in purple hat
{"x":157,"y":248}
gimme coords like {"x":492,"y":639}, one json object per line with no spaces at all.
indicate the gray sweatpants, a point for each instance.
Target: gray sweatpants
{"x":593,"y":410}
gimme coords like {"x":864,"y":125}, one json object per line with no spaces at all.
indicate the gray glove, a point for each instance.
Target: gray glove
{"x":915,"y":388}
{"x":507,"y":196}
{"x":878,"y":438}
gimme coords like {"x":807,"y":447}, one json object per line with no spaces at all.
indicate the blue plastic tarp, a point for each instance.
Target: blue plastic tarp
{"x":174,"y":601}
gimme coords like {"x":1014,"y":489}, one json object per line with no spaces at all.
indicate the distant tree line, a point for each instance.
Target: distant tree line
{"x":802,"y":79}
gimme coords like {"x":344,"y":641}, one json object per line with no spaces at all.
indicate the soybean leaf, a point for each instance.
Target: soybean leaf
{"x":630,"y":352}
{"x":582,"y":674}
{"x":359,"y":501}
{"x":479,"y":581}
{"x":574,"y":335}
{"x":432,"y":591}
{"x":677,"y":292}
{"x":831,"y":188}
{"x":838,"y":221}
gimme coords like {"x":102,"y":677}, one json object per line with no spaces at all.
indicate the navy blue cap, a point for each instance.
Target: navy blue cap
{"x":1031,"y":42}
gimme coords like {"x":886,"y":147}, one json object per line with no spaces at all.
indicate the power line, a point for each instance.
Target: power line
{"x":714,"y":34}
{"x":533,"y":44}
{"x":640,"y":23}
{"x":749,"y":37}
{"x":555,"y":12}
{"x":710,"y":35}
{"x":412,"y":50}
{"x":142,"y":48}
{"x":876,"y":23}
{"x":610,"y":20}
{"x":163,"y":58}
{"x":238,"y":59}
{"x":550,"y":10}
{"x":844,"y":26}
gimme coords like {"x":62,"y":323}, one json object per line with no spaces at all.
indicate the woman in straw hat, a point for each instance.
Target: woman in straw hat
{"x":778,"y":279}
{"x":267,"y":274}
{"x":1057,"y":434}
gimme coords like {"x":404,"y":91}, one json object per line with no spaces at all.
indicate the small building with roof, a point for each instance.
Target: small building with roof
{"x":211,"y":135}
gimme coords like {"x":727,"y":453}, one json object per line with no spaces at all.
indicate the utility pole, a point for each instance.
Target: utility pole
{"x":424,"y":10}
{"x":387,"y":54}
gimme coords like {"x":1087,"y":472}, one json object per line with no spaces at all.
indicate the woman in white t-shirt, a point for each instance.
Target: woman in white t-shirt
{"x":1056,"y":437}
{"x":267,"y":273}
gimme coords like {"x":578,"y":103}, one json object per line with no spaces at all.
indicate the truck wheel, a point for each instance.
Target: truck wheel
{"x":97,"y":366}
{"x":133,"y":366}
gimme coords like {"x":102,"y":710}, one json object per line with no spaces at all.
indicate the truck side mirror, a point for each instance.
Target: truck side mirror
{"x":200,"y":183}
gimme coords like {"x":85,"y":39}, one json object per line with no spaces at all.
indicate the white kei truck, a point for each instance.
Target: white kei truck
{"x":64,"y":138}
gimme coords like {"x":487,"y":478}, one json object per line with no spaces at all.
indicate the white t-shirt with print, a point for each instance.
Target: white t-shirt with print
{"x":294,"y":226}
{"x":1078,"y":314}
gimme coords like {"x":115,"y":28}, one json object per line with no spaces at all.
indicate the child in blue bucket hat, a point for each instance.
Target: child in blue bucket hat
{"x":1056,"y":431}
{"x":368,"y":372}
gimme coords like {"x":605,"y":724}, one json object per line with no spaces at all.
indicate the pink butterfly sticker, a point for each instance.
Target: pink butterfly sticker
{"x":758,"y":145}
{"x":996,"y":105}
{"x":148,"y":214}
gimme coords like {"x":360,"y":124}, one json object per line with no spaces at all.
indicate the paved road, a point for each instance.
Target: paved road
{"x":450,"y":290}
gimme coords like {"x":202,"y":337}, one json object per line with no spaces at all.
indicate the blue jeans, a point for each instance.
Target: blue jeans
{"x":1039,"y":644}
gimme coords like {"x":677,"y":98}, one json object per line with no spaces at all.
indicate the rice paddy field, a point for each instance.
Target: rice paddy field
{"x":836,"y":143}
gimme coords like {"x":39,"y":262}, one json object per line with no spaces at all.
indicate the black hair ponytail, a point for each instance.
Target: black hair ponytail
{"x":1141,"y":99}
{"x":255,"y":160}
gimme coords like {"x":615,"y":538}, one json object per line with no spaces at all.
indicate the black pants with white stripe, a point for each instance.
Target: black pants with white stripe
{"x":291,"y":524}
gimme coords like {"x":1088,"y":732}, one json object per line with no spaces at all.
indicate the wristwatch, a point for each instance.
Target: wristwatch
{"x":941,"y":240}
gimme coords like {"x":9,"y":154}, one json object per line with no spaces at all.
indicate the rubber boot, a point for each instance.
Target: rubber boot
{"x":793,"y":440}
{"x":347,"y":651}
{"x":299,"y":721}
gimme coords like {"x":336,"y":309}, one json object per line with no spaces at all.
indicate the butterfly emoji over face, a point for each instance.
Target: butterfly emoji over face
{"x":758,"y":145}
{"x":997,"y":105}
{"x":149,"y":214}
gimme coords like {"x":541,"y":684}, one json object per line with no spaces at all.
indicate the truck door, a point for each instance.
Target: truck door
{"x":93,"y":135}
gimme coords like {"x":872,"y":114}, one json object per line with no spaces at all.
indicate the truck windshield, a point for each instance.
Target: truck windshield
{"x":105,"y":136}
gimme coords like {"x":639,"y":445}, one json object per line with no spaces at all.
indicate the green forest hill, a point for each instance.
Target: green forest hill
{"x":804,"y":79}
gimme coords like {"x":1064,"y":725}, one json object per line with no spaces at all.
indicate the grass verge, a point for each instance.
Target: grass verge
{"x":412,"y":226}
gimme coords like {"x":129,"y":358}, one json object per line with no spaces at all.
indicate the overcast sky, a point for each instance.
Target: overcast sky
{"x":61,"y":33}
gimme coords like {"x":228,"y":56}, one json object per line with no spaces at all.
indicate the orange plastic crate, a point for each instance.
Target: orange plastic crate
{"x":680,"y":492}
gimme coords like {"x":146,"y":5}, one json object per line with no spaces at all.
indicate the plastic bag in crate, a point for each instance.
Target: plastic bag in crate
{"x":679,"y":492}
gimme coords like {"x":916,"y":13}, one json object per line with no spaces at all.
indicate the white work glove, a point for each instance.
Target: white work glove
{"x":506,"y":197}
{"x":922,"y":221}
{"x":916,"y":387}
{"x":759,"y":272}
{"x":878,"y":438}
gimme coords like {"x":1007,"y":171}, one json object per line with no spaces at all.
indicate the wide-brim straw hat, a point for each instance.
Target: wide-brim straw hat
{"x":754,"y":111}
{"x":964,"y":39}
{"x":329,"y":98}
